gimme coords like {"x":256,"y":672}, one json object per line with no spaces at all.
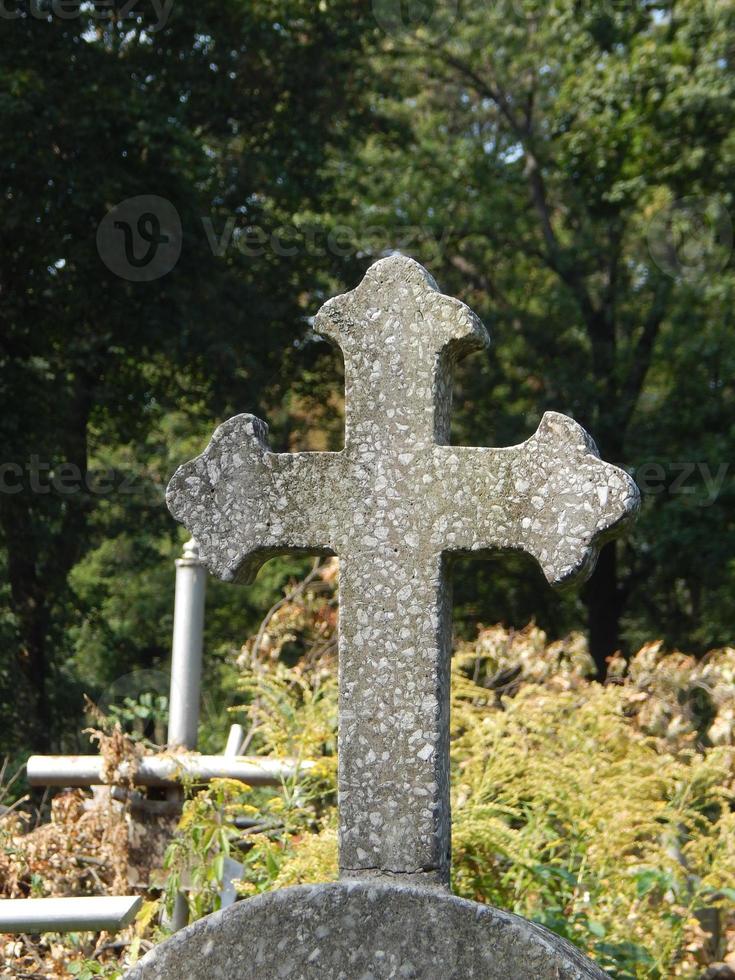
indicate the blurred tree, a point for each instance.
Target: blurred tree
{"x":226,"y":110}
{"x":567,"y":167}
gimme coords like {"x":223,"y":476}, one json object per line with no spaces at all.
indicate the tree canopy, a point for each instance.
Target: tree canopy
{"x":566,"y":168}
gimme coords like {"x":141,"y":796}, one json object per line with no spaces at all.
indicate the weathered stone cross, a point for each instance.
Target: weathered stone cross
{"x":394,"y":504}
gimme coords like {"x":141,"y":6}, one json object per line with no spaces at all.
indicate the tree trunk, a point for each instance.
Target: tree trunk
{"x":602,"y":596}
{"x":43,"y":531}
{"x":35,"y":668}
{"x":30,"y":606}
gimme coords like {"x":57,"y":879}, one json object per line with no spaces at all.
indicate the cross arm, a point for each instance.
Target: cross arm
{"x":244,"y":503}
{"x":551,"y":496}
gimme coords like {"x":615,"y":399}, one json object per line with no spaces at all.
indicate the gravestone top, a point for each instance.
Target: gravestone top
{"x":395,"y":505}
{"x":356,"y":930}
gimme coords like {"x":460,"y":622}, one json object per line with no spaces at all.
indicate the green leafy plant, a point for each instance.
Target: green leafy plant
{"x":89,"y":969}
{"x":196,"y":856}
{"x":143,"y":718}
{"x":572,"y":805}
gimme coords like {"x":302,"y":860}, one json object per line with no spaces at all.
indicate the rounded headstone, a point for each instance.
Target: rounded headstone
{"x":364,"y":930}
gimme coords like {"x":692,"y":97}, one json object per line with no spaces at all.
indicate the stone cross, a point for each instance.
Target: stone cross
{"x":395,"y":505}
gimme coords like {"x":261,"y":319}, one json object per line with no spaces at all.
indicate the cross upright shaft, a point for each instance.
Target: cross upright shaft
{"x":394,"y":504}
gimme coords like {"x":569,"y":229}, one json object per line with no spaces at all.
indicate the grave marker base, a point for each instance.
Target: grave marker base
{"x":355,"y":930}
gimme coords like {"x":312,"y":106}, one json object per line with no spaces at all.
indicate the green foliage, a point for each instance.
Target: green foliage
{"x":199,"y":851}
{"x":10,"y":786}
{"x":89,"y":969}
{"x":292,"y":716}
{"x":525,"y":151}
{"x":138,"y":716}
{"x":532,"y":156}
{"x":603,"y":812}
{"x":570,"y":816}
{"x":217,"y":110}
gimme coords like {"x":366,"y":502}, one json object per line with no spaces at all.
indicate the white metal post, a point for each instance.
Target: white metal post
{"x":68,"y":914}
{"x":186,"y":653}
{"x":231,"y":869}
{"x":234,"y":742}
{"x":186,"y":675}
{"x":162,"y":770}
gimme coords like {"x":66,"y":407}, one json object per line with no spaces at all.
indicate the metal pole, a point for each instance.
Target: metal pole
{"x":231,"y":869}
{"x":186,"y":653}
{"x":186,"y":678}
{"x":68,"y":914}
{"x":234,"y":742}
{"x":162,"y":770}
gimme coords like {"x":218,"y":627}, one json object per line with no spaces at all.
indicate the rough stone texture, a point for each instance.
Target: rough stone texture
{"x":395,"y":504}
{"x":364,"y":931}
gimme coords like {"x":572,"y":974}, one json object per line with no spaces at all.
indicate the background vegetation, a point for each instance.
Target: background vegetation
{"x":565,"y":167}
{"x":602,"y":811}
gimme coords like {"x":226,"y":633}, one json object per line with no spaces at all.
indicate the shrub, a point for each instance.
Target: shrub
{"x":603,"y":812}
